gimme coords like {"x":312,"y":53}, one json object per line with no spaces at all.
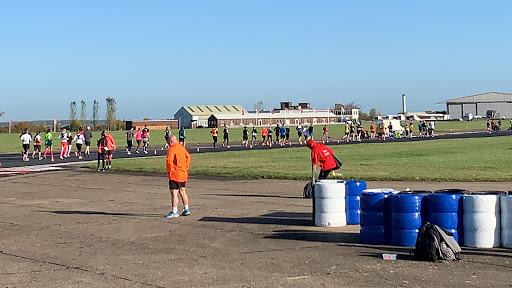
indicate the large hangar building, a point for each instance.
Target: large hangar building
{"x":480,"y":104}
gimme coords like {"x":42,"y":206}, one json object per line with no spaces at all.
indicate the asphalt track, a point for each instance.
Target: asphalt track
{"x":13,"y":160}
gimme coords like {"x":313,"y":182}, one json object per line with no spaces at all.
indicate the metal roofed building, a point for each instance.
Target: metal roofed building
{"x":479,"y":105}
{"x":193,"y":116}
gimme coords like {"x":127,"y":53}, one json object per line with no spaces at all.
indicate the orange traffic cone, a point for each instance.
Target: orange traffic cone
{"x":155,"y":151}
{"x":197,"y":149}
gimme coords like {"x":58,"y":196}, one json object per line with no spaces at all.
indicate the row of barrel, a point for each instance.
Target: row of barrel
{"x":476,"y":219}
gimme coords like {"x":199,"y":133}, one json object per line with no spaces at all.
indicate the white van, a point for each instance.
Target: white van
{"x":395,"y":123}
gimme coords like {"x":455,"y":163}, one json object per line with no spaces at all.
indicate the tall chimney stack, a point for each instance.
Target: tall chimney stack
{"x":404,"y":105}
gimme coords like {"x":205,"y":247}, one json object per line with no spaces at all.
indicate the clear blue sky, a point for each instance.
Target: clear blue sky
{"x":155,"y":56}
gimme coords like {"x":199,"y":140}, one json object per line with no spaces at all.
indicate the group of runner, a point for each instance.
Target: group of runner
{"x":281,"y":132}
{"x":66,"y":139}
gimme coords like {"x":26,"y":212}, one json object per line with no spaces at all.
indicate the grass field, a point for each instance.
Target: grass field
{"x":473,"y":159}
{"x":10,"y":143}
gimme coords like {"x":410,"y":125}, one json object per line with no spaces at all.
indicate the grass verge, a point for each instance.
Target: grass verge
{"x":466,"y":160}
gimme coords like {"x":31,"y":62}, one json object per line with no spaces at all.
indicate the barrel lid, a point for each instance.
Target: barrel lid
{"x":416,"y":192}
{"x":451,"y":191}
{"x":488,"y":193}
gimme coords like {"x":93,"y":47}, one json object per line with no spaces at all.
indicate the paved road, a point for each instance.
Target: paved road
{"x":14,"y":160}
{"x":107,"y":230}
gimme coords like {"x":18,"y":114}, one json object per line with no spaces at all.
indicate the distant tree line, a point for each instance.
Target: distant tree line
{"x":112,"y":123}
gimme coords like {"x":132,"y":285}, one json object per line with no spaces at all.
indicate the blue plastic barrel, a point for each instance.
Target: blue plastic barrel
{"x":352,"y":200}
{"x":407,"y":210}
{"x":374,"y":228}
{"x":444,"y":209}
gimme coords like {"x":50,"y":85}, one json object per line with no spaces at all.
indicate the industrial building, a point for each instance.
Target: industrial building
{"x":490,"y":105}
{"x":196,"y":116}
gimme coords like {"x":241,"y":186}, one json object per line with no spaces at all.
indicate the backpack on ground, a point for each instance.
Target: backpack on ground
{"x":435,"y":244}
{"x":309,"y":190}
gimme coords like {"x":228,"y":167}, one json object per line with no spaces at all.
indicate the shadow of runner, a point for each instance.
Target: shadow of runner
{"x":274,"y":218}
{"x":101,"y":213}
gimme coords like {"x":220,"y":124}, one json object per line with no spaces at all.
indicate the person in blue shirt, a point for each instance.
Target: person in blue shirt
{"x":282,"y":132}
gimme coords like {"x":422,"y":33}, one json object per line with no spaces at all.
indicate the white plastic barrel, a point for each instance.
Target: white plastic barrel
{"x":506,"y":220}
{"x":481,"y":220}
{"x":329,"y":203}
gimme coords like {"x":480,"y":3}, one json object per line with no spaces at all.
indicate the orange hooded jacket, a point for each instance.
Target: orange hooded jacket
{"x":178,"y":162}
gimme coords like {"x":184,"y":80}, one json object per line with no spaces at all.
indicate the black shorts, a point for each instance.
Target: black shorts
{"x":245,"y":138}
{"x":173,"y":185}
{"x":87,"y":143}
{"x":26,"y":147}
{"x":37,"y":148}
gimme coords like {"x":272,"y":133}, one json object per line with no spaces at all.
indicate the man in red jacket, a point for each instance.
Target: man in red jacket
{"x":322,"y":156}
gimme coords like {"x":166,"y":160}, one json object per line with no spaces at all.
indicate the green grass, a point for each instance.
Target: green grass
{"x":10,"y":143}
{"x":474,"y":159}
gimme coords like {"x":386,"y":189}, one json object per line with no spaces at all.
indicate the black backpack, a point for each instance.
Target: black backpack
{"x":435,"y":244}
{"x":309,"y":190}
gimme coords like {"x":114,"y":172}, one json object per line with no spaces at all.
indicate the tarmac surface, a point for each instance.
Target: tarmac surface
{"x":76,"y":228}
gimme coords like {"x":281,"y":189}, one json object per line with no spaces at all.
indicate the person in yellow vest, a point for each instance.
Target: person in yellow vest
{"x":215,"y":133}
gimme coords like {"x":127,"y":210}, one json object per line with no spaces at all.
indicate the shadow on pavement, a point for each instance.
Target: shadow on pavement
{"x":275,"y":218}
{"x":79,"y":212}
{"x":261,"y":196}
{"x":315,"y":236}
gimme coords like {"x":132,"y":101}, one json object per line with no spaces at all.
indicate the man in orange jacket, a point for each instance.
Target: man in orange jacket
{"x":178,"y":163}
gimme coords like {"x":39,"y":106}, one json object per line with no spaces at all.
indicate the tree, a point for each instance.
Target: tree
{"x":111,"y":113}
{"x":352,"y":105}
{"x":83,"y":112}
{"x":95,"y":108}
{"x":259,"y":106}
{"x":72,"y":111}
{"x":374,"y":113}
{"x":1,"y":113}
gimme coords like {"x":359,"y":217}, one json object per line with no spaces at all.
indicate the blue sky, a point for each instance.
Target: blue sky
{"x":155,"y":56}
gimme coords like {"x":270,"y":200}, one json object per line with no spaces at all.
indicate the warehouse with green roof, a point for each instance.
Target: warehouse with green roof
{"x":196,"y":116}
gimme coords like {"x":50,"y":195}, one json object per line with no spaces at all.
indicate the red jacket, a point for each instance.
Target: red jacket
{"x":321,"y":154}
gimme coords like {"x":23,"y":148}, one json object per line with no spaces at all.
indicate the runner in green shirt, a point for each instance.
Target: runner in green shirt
{"x":48,"y":145}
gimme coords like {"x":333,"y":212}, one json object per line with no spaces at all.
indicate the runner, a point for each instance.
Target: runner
{"x":287,"y":134}
{"x":138,"y":138}
{"x":102,"y":146}
{"x":282,"y":134}
{"x":87,"y":141}
{"x":129,"y":141}
{"x":167,"y":136}
{"x":63,"y":136}
{"x":79,"y":140}
{"x":310,"y":131}
{"x":178,"y":164}
{"x":110,"y":146}
{"x":325,"y":136}
{"x":37,"y":145}
{"x":70,"y":144}
{"x":145,"y":139}
{"x":372,"y":131}
{"x":347,"y":132}
{"x":182,"y":136}
{"x":269,"y":136}
{"x":245,"y":137}
{"x":277,"y":131}
{"x":48,"y":143}
{"x":264,"y":134}
{"x":215,"y":133}
{"x":225,"y":136}
{"x":299,"y":133}
{"x":254,"y":134}
{"x":25,"y":138}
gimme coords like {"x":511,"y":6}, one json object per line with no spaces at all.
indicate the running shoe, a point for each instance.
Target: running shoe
{"x":172,"y":215}
{"x":185,"y":212}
